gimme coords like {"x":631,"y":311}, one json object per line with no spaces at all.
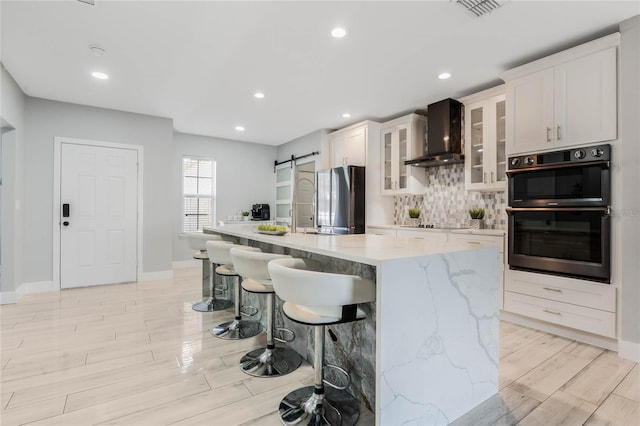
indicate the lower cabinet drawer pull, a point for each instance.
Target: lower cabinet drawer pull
{"x":552,"y":312}
{"x":557,"y":290}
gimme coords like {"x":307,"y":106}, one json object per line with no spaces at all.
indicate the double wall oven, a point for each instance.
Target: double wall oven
{"x":559,"y":212}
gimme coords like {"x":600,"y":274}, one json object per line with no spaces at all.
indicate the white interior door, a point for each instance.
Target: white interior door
{"x":98,"y":235}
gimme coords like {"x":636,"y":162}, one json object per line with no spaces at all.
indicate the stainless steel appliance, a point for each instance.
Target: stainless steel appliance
{"x":260,"y":212}
{"x":444,"y":135}
{"x":340,"y":200}
{"x":559,"y":214}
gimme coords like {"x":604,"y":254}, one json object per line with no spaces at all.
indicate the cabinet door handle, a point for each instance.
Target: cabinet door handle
{"x":552,"y":312}
{"x":491,"y":177}
{"x":548,"y":134}
{"x":484,"y":177}
{"x":557,"y":290}
{"x":558,"y":132}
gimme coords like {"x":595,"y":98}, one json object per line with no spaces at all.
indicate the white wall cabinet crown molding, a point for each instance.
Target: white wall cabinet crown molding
{"x":566,"y":99}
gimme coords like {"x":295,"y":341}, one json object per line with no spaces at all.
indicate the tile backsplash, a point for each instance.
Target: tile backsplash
{"x":446,"y":203}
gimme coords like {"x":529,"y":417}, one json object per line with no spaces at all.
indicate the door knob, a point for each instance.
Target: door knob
{"x":65,"y":223}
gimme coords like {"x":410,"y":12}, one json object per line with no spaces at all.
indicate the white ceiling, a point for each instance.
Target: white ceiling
{"x":200,"y":62}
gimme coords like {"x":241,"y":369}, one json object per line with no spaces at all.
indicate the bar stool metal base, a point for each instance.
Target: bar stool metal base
{"x":275,"y":362}
{"x":211,"y":305}
{"x":305,"y":407}
{"x":237,"y":329}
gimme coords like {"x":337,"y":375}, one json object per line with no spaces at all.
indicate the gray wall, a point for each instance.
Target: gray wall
{"x":12,"y":115}
{"x":46,"y":119}
{"x":630,"y":176}
{"x":315,"y":141}
{"x":245,"y":177}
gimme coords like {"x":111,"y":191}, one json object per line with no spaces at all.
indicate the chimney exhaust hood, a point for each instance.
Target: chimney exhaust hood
{"x":444,"y":135}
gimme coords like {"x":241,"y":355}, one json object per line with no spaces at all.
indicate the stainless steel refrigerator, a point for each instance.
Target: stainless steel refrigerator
{"x":340,"y":201}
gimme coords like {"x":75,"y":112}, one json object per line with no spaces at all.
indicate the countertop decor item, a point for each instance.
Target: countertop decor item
{"x":477,"y":218}
{"x":414,"y":213}
{"x":245,"y":215}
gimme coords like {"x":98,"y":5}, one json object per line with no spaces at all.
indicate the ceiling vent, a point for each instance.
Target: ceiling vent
{"x":480,"y":7}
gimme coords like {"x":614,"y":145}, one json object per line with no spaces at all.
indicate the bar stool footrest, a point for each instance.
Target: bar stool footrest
{"x":248,"y":310}
{"x":338,"y":370}
{"x":282,"y":335}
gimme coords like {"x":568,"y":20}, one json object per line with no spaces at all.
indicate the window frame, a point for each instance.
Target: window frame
{"x":212,"y":196}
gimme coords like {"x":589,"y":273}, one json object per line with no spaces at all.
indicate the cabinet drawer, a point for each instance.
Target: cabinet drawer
{"x":381,"y":231}
{"x":566,"y":290}
{"x":483,"y":240}
{"x":586,"y":319}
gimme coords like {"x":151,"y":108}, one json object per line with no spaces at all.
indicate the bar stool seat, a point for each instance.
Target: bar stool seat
{"x":271,"y":361}
{"x":238,"y":328}
{"x":319,"y":299}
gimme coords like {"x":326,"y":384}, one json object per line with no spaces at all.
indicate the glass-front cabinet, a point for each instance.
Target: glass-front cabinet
{"x":485,"y":159}
{"x":402,"y":139}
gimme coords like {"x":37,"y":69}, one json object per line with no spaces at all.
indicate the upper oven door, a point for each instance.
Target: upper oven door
{"x":563,"y":185}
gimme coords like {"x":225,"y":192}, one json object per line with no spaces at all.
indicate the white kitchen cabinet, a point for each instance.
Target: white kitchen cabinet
{"x":402,"y":139}
{"x":428,"y":235}
{"x":578,"y":304}
{"x":566,"y":99}
{"x":348,"y":146}
{"x":485,"y":157}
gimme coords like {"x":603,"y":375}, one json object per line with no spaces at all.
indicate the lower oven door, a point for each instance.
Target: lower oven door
{"x":561,"y":241}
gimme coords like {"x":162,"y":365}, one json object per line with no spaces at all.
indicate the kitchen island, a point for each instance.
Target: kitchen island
{"x":433,"y":327}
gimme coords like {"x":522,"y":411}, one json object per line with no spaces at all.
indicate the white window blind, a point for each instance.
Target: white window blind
{"x":198,"y":193}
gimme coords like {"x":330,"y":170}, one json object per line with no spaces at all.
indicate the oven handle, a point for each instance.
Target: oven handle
{"x":606,"y":211}
{"x":604,"y":164}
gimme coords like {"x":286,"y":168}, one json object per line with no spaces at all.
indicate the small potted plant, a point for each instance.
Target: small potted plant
{"x":477,"y":218}
{"x":414,"y":216}
{"x":246,"y":214}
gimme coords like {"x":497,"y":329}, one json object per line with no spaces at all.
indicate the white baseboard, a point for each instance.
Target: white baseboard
{"x":558,"y":330}
{"x":183,"y":264}
{"x":629,"y":350}
{"x":8,"y":297}
{"x":36,"y":287}
{"x":156,"y":276}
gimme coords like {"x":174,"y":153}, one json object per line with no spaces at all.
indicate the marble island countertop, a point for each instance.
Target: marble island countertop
{"x":434,"y":324}
{"x":362,"y":248}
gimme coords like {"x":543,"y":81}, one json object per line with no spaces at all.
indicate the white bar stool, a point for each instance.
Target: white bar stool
{"x":197,"y":241}
{"x":318,"y":299}
{"x":271,"y":361}
{"x":238,"y":328}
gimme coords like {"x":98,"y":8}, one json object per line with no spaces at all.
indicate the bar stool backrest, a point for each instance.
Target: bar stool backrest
{"x":296,"y":281}
{"x":218,"y":251}
{"x":253,"y":264}
{"x":197,"y":240}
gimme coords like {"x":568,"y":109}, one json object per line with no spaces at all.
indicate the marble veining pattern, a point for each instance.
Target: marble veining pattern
{"x":450,"y":340}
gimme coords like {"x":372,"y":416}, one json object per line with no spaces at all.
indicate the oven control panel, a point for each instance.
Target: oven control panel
{"x":583,"y":154}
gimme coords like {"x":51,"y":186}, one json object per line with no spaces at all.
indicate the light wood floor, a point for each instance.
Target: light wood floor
{"x":136,"y":354}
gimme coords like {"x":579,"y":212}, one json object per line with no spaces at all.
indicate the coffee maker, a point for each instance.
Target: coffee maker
{"x":260,"y":212}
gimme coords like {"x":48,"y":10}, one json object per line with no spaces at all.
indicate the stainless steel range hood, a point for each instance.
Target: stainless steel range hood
{"x":444,"y":135}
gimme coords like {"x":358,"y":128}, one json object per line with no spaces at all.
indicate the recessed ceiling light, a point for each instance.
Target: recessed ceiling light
{"x":240,"y":128}
{"x":338,"y":32}
{"x":100,"y":75}
{"x":444,"y":76}
{"x":258,"y":95}
{"x":346,"y":115}
{"x":96,"y":50}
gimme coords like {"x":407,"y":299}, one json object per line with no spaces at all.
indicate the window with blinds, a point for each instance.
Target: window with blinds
{"x":198,"y":193}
